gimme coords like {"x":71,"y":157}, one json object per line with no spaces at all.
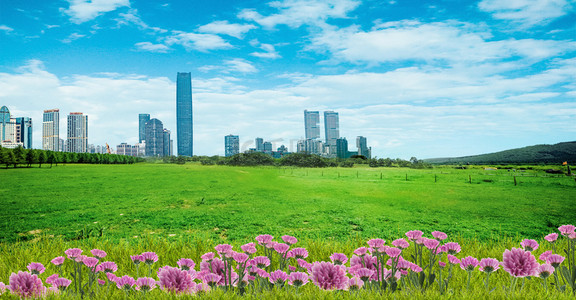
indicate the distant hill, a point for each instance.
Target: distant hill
{"x":557,"y":153}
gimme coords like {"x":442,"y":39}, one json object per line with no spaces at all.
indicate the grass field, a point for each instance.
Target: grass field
{"x":238,"y":203}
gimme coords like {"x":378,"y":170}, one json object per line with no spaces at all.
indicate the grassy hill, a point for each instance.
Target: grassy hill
{"x":556,"y":153}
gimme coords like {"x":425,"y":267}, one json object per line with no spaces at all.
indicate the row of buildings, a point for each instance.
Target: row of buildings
{"x":76,"y":133}
{"x":15,"y":132}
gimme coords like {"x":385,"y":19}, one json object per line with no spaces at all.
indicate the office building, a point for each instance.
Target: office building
{"x":259,"y":144}
{"x":231,"y":145}
{"x":24,"y":132}
{"x":51,"y":130}
{"x":77,"y":133}
{"x":142,"y":120}
{"x":332,"y":131}
{"x":342,"y":148}
{"x":312,"y":124}
{"x":267,"y":147}
{"x":362,"y":146}
{"x":8,"y":129}
{"x":184,"y":114}
{"x":129,"y":150}
{"x":154,"y":138}
{"x":167,"y":143}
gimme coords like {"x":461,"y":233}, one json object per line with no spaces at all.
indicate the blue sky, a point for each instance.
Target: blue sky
{"x":417,"y":78}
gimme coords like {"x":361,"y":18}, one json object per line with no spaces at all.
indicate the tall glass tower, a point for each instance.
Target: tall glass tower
{"x":142,"y":120}
{"x":312,"y":124}
{"x":332,"y":129}
{"x":77,"y":133}
{"x":155,"y":138}
{"x":51,"y":130}
{"x":184,"y":114}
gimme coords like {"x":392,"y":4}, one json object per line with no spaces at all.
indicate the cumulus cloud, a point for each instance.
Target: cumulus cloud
{"x":6,"y":28}
{"x":198,"y":41}
{"x":82,"y":11}
{"x":223,"y":27}
{"x":527,"y":13}
{"x":132,"y":17}
{"x":270,"y":52}
{"x":150,"y":47}
{"x":240,"y":65}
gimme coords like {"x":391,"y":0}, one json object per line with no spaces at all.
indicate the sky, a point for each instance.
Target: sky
{"x":419,"y":79}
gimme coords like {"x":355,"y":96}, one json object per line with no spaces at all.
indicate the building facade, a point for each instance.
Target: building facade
{"x":24,"y":132}
{"x":167,"y":143}
{"x":231,"y":145}
{"x":154,"y":138}
{"x":51,"y":130}
{"x":331,"y":129}
{"x":142,"y":120}
{"x":362,"y":145}
{"x":312,"y":124}
{"x":77,"y":133}
{"x":342,"y":148}
{"x":129,"y":150}
{"x":184,"y":125}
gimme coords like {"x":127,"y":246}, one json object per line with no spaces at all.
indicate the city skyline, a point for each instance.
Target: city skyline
{"x":416,"y":78}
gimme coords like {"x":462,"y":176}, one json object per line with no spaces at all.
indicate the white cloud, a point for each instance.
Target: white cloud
{"x":295,"y":13}
{"x":147,"y":46}
{"x":82,"y":11}
{"x":72,"y":37}
{"x":198,"y":41}
{"x":270,"y":52}
{"x":240,"y":65}
{"x":6,"y":28}
{"x":223,"y":27}
{"x":527,"y":13}
{"x":132,"y":17}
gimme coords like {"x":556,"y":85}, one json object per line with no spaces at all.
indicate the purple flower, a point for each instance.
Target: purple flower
{"x":529,"y":245}
{"x":468,"y":263}
{"x":415,"y":268}
{"x":439,"y":235}
{"x":364,"y":274}
{"x":264,"y":239}
{"x":223,"y":249}
{"x":298,"y":279}
{"x":328,"y":276}
{"x":149,"y":258}
{"x":26,"y":285}
{"x":442,"y":264}
{"x":338,"y":258}
{"x":111,"y":277}
{"x":453,"y":260}
{"x":175,"y":280}
{"x":566,"y":229}
{"x":90,"y":262}
{"x":278,"y":277}
{"x":186,"y":264}
{"x":73,"y":253}
{"x":61,"y":283}
{"x":393,"y":252}
{"x":101,"y":282}
{"x":451,"y":248}
{"x":551,"y":237}
{"x":361,"y":251}
{"x":545,"y":255}
{"x":304,"y":264}
{"x":125,"y":282}
{"x":431,"y":243}
{"x":207,"y":256}
{"x":212,"y":279}
{"x":249,"y":248}
{"x":240,"y":257}
{"x":414,"y":234}
{"x":58,"y":260}
{"x":544,"y":271}
{"x":519,"y":263}
{"x":355,"y":283}
{"x":289,"y":239}
{"x":2,"y":288}
{"x":107,"y":267}
{"x":555,"y":260}
{"x":36,"y":268}
{"x":299,"y":253}
{"x":51,"y":278}
{"x":376,"y":243}
{"x":145,"y":284}
{"x":281,"y":247}
{"x":489,"y":265}
{"x":136,"y":259}
{"x":98,"y":253}
{"x":261,"y":261}
{"x":401,"y":243}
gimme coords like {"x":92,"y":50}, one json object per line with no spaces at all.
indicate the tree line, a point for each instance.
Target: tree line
{"x":19,"y":157}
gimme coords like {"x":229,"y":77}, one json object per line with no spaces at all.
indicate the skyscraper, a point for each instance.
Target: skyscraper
{"x":184,"y":114}
{"x":362,"y":146}
{"x":51,"y":130}
{"x":142,"y":120}
{"x":8,"y":129}
{"x":77,"y":133}
{"x":154,"y":138}
{"x":342,"y":148}
{"x":24,"y":132}
{"x":332,"y":131}
{"x":231,"y":145}
{"x":167,"y":146}
{"x":259,"y":144}
{"x":312,"y":124}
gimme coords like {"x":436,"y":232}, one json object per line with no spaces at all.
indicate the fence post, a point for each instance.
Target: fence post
{"x":435,"y":178}
{"x":515,"y":184}
{"x":470,"y":179}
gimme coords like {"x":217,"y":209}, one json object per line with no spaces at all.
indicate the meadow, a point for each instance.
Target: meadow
{"x":185,"y":210}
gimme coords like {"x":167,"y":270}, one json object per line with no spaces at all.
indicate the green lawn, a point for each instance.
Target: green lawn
{"x":238,"y":203}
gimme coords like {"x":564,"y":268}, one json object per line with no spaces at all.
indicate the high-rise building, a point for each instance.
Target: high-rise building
{"x":267,"y":147}
{"x":342,"y":148}
{"x":125,"y":149}
{"x":259,"y":144}
{"x":332,"y":131}
{"x":8,"y":129}
{"x":312,"y":124}
{"x":142,"y":120}
{"x":184,"y":114}
{"x":77,"y":133}
{"x":51,"y":130}
{"x":362,"y":146}
{"x":24,"y":132}
{"x":231,"y":145}
{"x":167,"y":145}
{"x":154,"y":138}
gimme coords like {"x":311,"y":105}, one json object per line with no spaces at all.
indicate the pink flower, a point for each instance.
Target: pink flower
{"x":186,"y":264}
{"x":101,"y":282}
{"x":145,"y":284}
{"x":80,"y":258}
{"x":468,"y":263}
{"x":364,"y":274}
{"x":26,"y":285}
{"x":278,"y":277}
{"x":125,"y":282}
{"x":328,"y":276}
{"x":289,"y":239}
{"x":2,"y":288}
{"x":51,"y":278}
{"x":73,"y":253}
{"x":149,"y":257}
{"x":566,"y":229}
{"x":212,"y":279}
{"x":529,"y":245}
{"x":261,"y":261}
{"x":401,"y":243}
{"x":555,"y":260}
{"x":414,"y":234}
{"x":572,"y":236}
{"x":355,"y":283}
{"x":361,"y":251}
{"x":451,"y":248}
{"x":107,"y":267}
{"x":264,"y":239}
{"x":249,"y":248}
{"x":223,"y":248}
{"x":392,"y":277}
{"x":98,"y":253}
{"x":439,"y":235}
{"x":262,"y":273}
{"x":551,"y":237}
{"x":442,"y":264}
{"x":111,"y":277}
{"x":207,"y":256}
{"x":240,"y":257}
{"x":281,"y":248}
{"x":36,"y":268}
{"x":90,"y":262}
{"x":61,"y":283}
{"x":519,"y":263}
{"x":58,"y":260}
{"x":431,"y":243}
{"x":136,"y":259}
{"x":175,"y":280}
{"x":299,"y":253}
{"x":544,"y":255}
{"x":338,"y":258}
{"x":415,"y":268}
{"x":489,"y":265}
{"x":453,"y":260}
{"x":376,"y":243}
{"x":304,"y":264}
{"x":298,"y":279}
{"x":544,"y":271}
{"x":202,"y":288}
{"x":393,"y":252}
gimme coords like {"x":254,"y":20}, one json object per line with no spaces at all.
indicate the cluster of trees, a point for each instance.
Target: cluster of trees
{"x":28,"y":157}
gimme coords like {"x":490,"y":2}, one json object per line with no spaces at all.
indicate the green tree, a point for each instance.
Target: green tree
{"x":31,"y":157}
{"x":42,"y":158}
{"x":19,"y":155}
